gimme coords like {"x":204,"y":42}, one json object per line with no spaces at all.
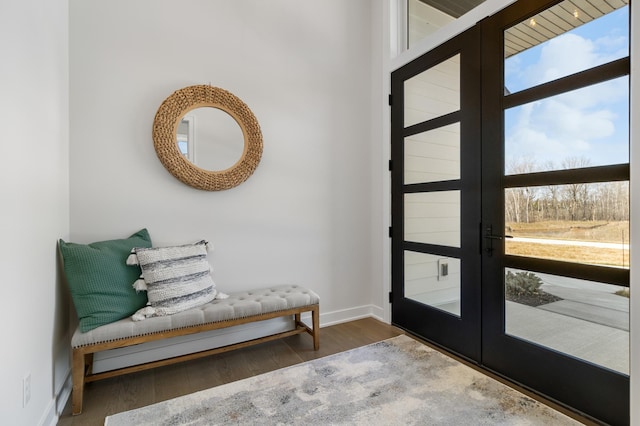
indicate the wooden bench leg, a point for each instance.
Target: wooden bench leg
{"x":88,"y":364}
{"x":315,"y":322}
{"x":77,"y":376}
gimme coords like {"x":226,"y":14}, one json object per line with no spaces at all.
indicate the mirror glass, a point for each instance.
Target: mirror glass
{"x":210,"y":138}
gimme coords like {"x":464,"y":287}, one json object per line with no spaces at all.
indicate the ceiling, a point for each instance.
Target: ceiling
{"x":546,"y":25}
{"x":556,"y":20}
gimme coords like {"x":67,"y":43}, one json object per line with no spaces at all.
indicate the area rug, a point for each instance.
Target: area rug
{"x":398,"y":381}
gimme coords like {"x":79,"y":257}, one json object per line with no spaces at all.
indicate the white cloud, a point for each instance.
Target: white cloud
{"x":554,"y":129}
{"x":566,"y":54}
{"x":561,"y":56}
{"x":578,"y":123}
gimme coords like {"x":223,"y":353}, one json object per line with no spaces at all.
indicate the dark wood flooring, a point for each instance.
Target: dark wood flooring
{"x":110,"y":396}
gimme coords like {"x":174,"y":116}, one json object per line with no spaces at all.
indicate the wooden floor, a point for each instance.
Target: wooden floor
{"x":110,"y":396}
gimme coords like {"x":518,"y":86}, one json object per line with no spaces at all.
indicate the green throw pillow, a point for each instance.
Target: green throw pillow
{"x":100,"y":280}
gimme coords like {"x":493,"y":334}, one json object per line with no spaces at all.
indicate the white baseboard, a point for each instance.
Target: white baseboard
{"x":62,"y":396}
{"x":50,"y":417}
{"x":58,"y":402}
{"x":378,"y":313}
{"x":351,"y":314}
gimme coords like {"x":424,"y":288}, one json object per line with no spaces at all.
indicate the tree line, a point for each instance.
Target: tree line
{"x":608,"y":201}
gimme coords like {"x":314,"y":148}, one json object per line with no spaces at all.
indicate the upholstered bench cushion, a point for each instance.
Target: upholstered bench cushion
{"x":238,"y":305}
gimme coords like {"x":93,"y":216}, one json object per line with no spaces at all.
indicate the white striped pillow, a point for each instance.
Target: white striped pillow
{"x":175,"y":278}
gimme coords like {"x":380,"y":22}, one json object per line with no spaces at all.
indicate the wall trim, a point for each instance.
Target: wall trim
{"x":350,"y":314}
{"x":58,"y":402}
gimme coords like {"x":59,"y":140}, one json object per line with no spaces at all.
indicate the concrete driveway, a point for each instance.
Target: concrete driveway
{"x":591,"y":323}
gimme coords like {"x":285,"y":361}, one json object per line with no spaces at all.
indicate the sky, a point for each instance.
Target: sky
{"x":590,"y":124}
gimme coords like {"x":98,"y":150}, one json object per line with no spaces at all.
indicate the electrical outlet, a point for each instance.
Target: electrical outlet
{"x":443,"y":269}
{"x":26,"y":389}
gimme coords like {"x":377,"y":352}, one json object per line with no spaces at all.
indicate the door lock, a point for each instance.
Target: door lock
{"x":490,"y":236}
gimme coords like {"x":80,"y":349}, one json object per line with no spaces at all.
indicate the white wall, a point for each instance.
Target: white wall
{"x":35,"y":199}
{"x":378,"y":162}
{"x":303,"y":67}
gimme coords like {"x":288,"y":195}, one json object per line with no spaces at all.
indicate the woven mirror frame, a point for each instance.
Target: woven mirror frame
{"x":165,"y":126}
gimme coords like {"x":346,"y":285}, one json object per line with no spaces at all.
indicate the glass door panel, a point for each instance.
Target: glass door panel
{"x":432,"y":93}
{"x":584,"y":223}
{"x":433,"y":155}
{"x":567,"y":38}
{"x":575,"y":317}
{"x":581,"y":128}
{"x":433,"y":218}
{"x":433,"y":280}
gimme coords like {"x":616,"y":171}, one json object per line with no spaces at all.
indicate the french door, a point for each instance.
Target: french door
{"x":510,"y":200}
{"x":435,"y":194}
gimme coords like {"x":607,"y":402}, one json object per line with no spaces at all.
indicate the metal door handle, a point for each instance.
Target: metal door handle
{"x":489,"y":235}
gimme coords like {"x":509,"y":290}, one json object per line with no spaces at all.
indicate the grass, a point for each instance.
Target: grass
{"x":589,"y":255}
{"x":598,"y":231}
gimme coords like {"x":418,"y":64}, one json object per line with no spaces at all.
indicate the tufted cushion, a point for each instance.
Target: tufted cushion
{"x":237,"y":305}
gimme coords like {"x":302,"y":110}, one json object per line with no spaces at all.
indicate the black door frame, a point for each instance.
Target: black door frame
{"x":554,"y":375}
{"x":557,"y":376}
{"x":458,"y":334}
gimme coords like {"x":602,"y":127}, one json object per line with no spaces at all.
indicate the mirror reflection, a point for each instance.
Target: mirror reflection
{"x":210,"y":138}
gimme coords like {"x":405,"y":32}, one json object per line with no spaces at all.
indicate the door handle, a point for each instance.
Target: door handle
{"x":490,"y":236}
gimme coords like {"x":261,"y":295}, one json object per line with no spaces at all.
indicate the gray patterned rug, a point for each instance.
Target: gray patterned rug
{"x":395,"y":382}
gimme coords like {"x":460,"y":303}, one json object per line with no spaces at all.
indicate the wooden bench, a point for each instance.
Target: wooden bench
{"x":239,"y":308}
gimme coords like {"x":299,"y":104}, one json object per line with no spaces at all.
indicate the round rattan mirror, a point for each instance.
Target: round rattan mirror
{"x":165,"y":126}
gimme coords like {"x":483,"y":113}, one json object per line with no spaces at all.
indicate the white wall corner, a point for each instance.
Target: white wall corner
{"x":390,"y":28}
